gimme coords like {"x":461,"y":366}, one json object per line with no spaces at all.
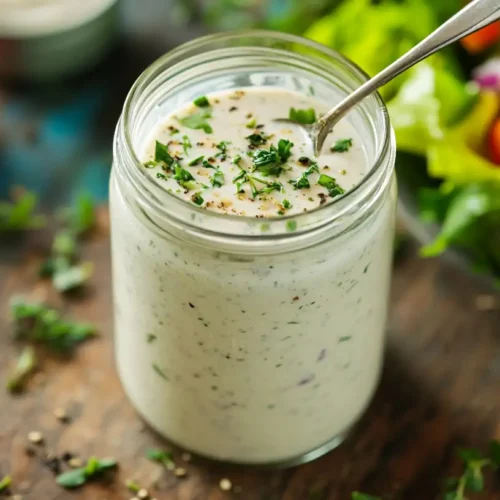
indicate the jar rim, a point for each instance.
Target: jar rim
{"x":186,"y":49}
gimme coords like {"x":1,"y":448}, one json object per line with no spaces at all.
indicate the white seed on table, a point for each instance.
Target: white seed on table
{"x":75,"y":463}
{"x":142,"y":494}
{"x":186,"y":457}
{"x":225,"y":484}
{"x":180,"y":472}
{"x":35,"y":437}
{"x":61,"y":414}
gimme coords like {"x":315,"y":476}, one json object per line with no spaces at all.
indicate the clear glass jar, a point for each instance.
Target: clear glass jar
{"x":254,"y":344}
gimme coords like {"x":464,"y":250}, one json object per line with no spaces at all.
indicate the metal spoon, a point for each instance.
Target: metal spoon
{"x":476,"y":15}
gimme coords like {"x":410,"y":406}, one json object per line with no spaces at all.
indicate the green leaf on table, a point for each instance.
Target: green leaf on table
{"x":162,"y":154}
{"x":38,"y":324}
{"x":19,"y":215}
{"x":162,"y":457}
{"x":72,"y":479}
{"x":92,"y":469}
{"x":5,"y":483}
{"x":25,"y":365}
{"x":81,"y":217}
{"x":72,"y":276}
{"x":65,"y":245}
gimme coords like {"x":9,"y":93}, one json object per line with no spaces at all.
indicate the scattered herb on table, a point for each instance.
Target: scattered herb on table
{"x":222,"y":147}
{"x":201,"y":102}
{"x":472,"y":479}
{"x":303,"y":182}
{"x":331,"y":184}
{"x":162,"y":457}
{"x":133,"y":486}
{"x":92,"y":470}
{"x":341,"y":146}
{"x":19,"y":215}
{"x":304,"y":116}
{"x":38,"y":324}
{"x":25,"y":366}
{"x":198,"y":120}
{"x":5,"y":483}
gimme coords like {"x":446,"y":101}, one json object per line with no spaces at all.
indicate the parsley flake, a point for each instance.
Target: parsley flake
{"x":201,"y":102}
{"x":304,"y":116}
{"x":251,"y":123}
{"x":198,"y":120}
{"x":197,"y":199}
{"x":196,"y":161}
{"x":256,"y":139}
{"x":287,"y":204}
{"x":217,"y":180}
{"x":162,"y":154}
{"x":331,"y":184}
{"x":184,"y":178}
{"x":341,"y":146}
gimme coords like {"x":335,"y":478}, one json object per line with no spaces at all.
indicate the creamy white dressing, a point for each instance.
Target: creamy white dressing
{"x":233,"y":117}
{"x":251,"y":358}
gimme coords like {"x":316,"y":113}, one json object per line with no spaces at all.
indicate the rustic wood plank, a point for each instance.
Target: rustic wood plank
{"x":440,"y":389}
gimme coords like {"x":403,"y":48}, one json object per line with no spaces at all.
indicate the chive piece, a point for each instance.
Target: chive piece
{"x":196,"y":161}
{"x":159,"y":371}
{"x":341,"y":146}
{"x":222,"y":147}
{"x":251,"y":123}
{"x":331,"y":184}
{"x":201,"y":102}
{"x":304,"y":116}
{"x":207,"y":164}
{"x":197,"y":199}
{"x":284,"y":149}
{"x":162,"y":154}
{"x":217,"y":179}
{"x":186,"y":144}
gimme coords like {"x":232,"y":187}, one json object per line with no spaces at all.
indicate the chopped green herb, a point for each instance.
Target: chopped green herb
{"x":244,"y":177}
{"x":201,"y":102}
{"x":159,"y":371}
{"x":331,"y":184}
{"x":198,"y":121}
{"x":26,"y":364}
{"x":270,"y":161}
{"x":68,"y":277}
{"x":363,"y":496}
{"x":287,"y":204}
{"x":196,"y":161}
{"x":284,"y":149}
{"x":174,"y":131}
{"x":38,"y":324}
{"x":5,"y":483}
{"x":303,"y":182}
{"x":81,"y":217}
{"x":222,"y":147}
{"x":78,"y":477}
{"x":304,"y":116}
{"x":186,"y":144}
{"x":291,"y":225}
{"x":217,"y":180}
{"x":162,"y":154}
{"x":150,"y":338}
{"x":184,"y":178}
{"x":341,"y":146}
{"x":251,"y":123}
{"x":159,"y":175}
{"x":150,"y":164}
{"x":19,"y":216}
{"x":237,"y":159}
{"x":197,"y":199}
{"x":256,"y":139}
{"x":164,"y":458}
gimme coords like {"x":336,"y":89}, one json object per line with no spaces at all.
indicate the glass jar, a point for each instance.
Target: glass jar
{"x":261,"y":343}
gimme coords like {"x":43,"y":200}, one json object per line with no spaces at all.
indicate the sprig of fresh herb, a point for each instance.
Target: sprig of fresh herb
{"x":341,"y":146}
{"x":38,"y":324}
{"x":201,"y":102}
{"x":19,"y":215}
{"x":472,"y":479}
{"x":25,"y":366}
{"x":198,"y":120}
{"x":331,"y":184}
{"x":92,"y":470}
{"x":184,"y":178}
{"x":271,"y":161}
{"x":162,"y":154}
{"x":217,"y":180}
{"x":304,"y":116}
{"x":303,"y":182}
{"x":5,"y":483}
{"x":162,"y":457}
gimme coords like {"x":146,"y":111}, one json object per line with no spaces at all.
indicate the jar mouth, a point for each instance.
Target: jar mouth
{"x":266,"y":43}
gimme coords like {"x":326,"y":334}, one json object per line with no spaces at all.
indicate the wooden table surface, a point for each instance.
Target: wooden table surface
{"x":440,"y":389}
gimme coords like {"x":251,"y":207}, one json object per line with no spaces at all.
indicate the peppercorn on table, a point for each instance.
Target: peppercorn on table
{"x":439,"y":391}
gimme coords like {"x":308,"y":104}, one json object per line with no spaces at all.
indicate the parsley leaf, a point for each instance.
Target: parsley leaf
{"x":26,"y":364}
{"x":19,"y":216}
{"x":222,"y":147}
{"x":197,"y":199}
{"x":303,"y":182}
{"x":270,"y":161}
{"x":198,"y":121}
{"x":287,"y":204}
{"x":331,"y":184}
{"x":304,"y":116}
{"x":217,"y":180}
{"x":39,"y":324}
{"x":244,"y":177}
{"x":284,"y":149}
{"x":341,"y":146}
{"x":78,"y":477}
{"x":162,"y":457}
{"x":201,"y":102}
{"x":184,"y":178}
{"x":162,"y":154}
{"x":256,"y":139}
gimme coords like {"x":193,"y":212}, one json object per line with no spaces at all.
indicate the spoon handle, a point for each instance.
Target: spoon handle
{"x":476,"y":15}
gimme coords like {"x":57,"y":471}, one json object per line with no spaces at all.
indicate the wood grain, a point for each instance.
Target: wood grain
{"x":440,"y":389}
